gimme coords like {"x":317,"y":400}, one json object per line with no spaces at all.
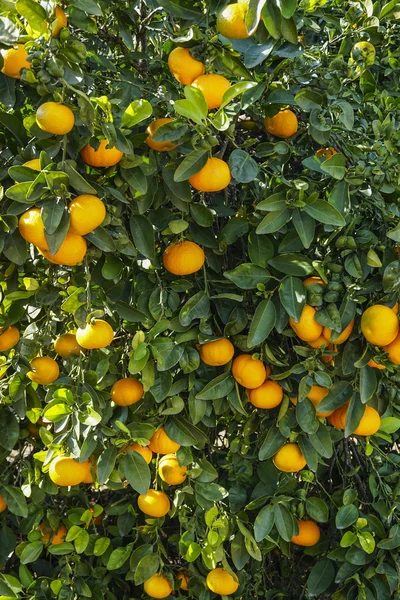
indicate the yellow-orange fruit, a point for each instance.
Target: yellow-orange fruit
{"x":183,"y":258}
{"x":213,"y":88}
{"x":221,"y":582}
{"x":66,"y":345}
{"x":309,"y":534}
{"x":144,"y":451}
{"x":289,"y":458}
{"x":9,"y":337}
{"x":15,"y":59}
{"x":96,"y":334}
{"x":159,"y":146}
{"x":249,"y":372}
{"x":157,"y":586}
{"x":268,"y":395}
{"x":161,"y":443}
{"x":45,"y":370}
{"x":86,"y":212}
{"x":328,"y":334}
{"x":127,"y":391}
{"x":154,"y":504}
{"x":170,"y":471}
{"x":66,"y":471}
{"x":282,"y":125}
{"x":102,"y":157}
{"x":393,"y":350}
{"x":380,"y":325}
{"x":183,"y":66}
{"x":31,"y":228}
{"x":47,"y":534}
{"x":217,"y":353}
{"x":213,"y":177}
{"x":307,"y":328}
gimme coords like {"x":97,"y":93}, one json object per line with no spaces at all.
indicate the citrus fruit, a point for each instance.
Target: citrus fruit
{"x":313,"y":280}
{"x":183,"y":258}
{"x":47,"y":534}
{"x":217,"y":353}
{"x":183,"y":577}
{"x":321,"y":341}
{"x":66,"y":471}
{"x":393,"y":349}
{"x":221,"y":582}
{"x":249,"y":372}
{"x":160,"y":443}
{"x":9,"y":338}
{"x":282,"y":125}
{"x":102,"y":157}
{"x":89,"y":467}
{"x":59,"y":22}
{"x":15,"y":59}
{"x":268,"y":395}
{"x":33,"y":164}
{"x":213,"y":177}
{"x":44,"y":370}
{"x":31,"y":228}
{"x":289,"y":458}
{"x":325,"y":153}
{"x":86,"y":212}
{"x":66,"y":345}
{"x":309,"y":534}
{"x":159,"y":146}
{"x":71,"y":252}
{"x":170,"y":471}
{"x":369,"y":424}
{"x":3,"y":504}
{"x":395,"y":308}
{"x":380,"y":325}
{"x":213,"y":87}
{"x":144,"y":451}
{"x":157,"y":586}
{"x":363,"y":52}
{"x":183,"y":66}
{"x":340,"y":339}
{"x":376,"y":365}
{"x":316,"y":394}
{"x":307,"y":329}
{"x":96,"y":334}
{"x":154,"y":504}
{"x":55,"y":118}
{"x":126,"y":391}
{"x":335,"y":418}
{"x":231,"y":22}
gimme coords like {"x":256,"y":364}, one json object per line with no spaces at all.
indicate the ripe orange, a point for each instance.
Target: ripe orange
{"x":59,"y":22}
{"x":3,"y":504}
{"x":159,"y":146}
{"x":154,"y":504}
{"x":31,"y":228}
{"x":127,"y":391}
{"x":55,"y":118}
{"x":307,"y":329}
{"x":248,"y":372}
{"x":9,"y":338}
{"x":45,"y":370}
{"x":282,"y":125}
{"x":221,"y":582}
{"x":231,"y":22}
{"x":183,"y":66}
{"x":71,"y":252}
{"x":96,"y":334}
{"x":15,"y":59}
{"x":183,"y":258}
{"x":183,"y":577}
{"x":47,"y":534}
{"x":160,"y":443}
{"x":213,"y":88}
{"x":157,"y":586}
{"x":217,"y":353}
{"x":321,"y":341}
{"x":376,"y":365}
{"x":268,"y":395}
{"x":380,"y":325}
{"x":33,"y":164}
{"x":309,"y":534}
{"x":311,"y":280}
{"x":316,"y":394}
{"x":66,"y":345}
{"x":89,"y":467}
{"x":289,"y":458}
{"x":86,"y":212}
{"x":213,"y":177}
{"x":102,"y":157}
{"x":395,"y":308}
{"x":170,"y":471}
{"x":369,"y":424}
{"x":144,"y":451}
{"x":335,"y":418}
{"x":343,"y":337}
{"x":65,"y":471}
{"x":394,"y":351}
{"x":325,"y":153}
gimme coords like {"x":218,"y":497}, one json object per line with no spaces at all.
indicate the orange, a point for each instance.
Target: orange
{"x":213,"y":177}
{"x":213,"y":87}
{"x":55,"y":118}
{"x":393,"y":349}
{"x":289,"y":458}
{"x":249,"y":372}
{"x":102,"y":157}
{"x":364,"y":51}
{"x":183,"y":577}
{"x":369,"y":424}
{"x":65,"y":471}
{"x":183,"y":258}
{"x":160,"y":443}
{"x":3,"y":504}
{"x":327,"y":333}
{"x":160,"y":146}
{"x":66,"y":345}
{"x":311,"y":280}
{"x":379,"y":325}
{"x":268,"y":395}
{"x":231,"y":22}
{"x":309,"y":534}
{"x":15,"y":59}
{"x":316,"y":394}
{"x":96,"y":334}
{"x":86,"y":212}
{"x":282,"y":125}
{"x":325,"y":153}
{"x":33,"y":164}
{"x":307,"y":329}
{"x":31,"y":228}
{"x":71,"y":252}
{"x":170,"y":471}
{"x":44,"y":370}
{"x":376,"y":365}
{"x":126,"y":391}
{"x":89,"y":466}
{"x":221,"y":582}
{"x":335,"y":418}
{"x":217,"y":353}
{"x":154,"y":504}
{"x":183,"y":66}
{"x":157,"y":586}
{"x":47,"y":534}
{"x":395,"y":308}
{"x":9,"y":338}
{"x":321,"y":341}
{"x":144,"y":451}
{"x":59,"y":22}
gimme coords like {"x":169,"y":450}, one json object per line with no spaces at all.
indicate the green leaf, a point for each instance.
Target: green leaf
{"x":322,"y":442}
{"x":389,"y":425}
{"x":262,"y":323}
{"x":15,"y":126}
{"x":368,"y":383}
{"x":184,"y":433}
{"x":101,"y":239}
{"x":260,"y":249}
{"x":284,"y":522}
{"x":143,"y":235}
{"x":339,"y":393}
{"x":289,"y":30}
{"x":118,"y":557}
{"x":354,"y":414}
{"x":247,"y":276}
{"x":243,"y":167}
{"x":292,"y":294}
{"x":317,"y":509}
{"x":219,"y":387}
{"x":137,"y":111}
{"x":263,"y":523}
{"x":197,"y":307}
{"x":367,"y":541}
{"x":335,"y":166}
{"x":31,"y":552}
{"x":194,"y":107}
{"x":305,"y":227}
{"x":76,"y":180}
{"x":15,"y":499}
{"x":105,"y":464}
{"x":274,"y":221}
{"x":346,"y":516}
{"x":321,"y":577}
{"x":191,"y":164}
{"x":270,"y":446}
{"x":146,"y":568}
{"x":306,"y":416}
{"x":137,"y":472}
{"x":15,"y":248}
{"x":33,"y":13}
{"x":297,"y":265}
{"x":308,"y":99}
{"x":52,"y":213}
{"x":325,"y":213}
{"x":272,"y":19}
{"x":288,"y":8}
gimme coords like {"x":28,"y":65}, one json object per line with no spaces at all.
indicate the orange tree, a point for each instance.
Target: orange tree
{"x":199,"y":299}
